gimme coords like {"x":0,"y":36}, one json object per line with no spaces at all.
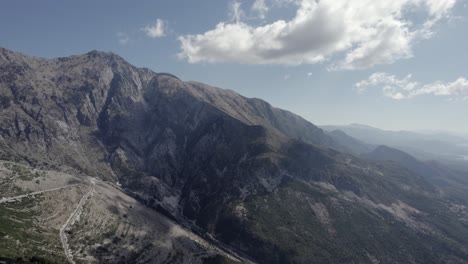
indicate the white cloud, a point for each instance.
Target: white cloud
{"x":287,"y":77}
{"x":260,"y":7}
{"x":405,"y":88}
{"x":309,"y":75}
{"x":363,"y":33}
{"x":122,"y":38}
{"x":236,"y":11}
{"x":381,"y":78}
{"x":157,"y":29}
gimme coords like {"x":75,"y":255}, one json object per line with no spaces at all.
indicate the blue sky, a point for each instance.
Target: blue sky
{"x":398,"y":64}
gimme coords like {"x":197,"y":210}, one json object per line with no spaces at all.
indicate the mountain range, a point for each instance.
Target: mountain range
{"x":447,"y":148}
{"x":104,"y":162}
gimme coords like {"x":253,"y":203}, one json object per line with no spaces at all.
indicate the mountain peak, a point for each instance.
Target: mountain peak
{"x":362,"y":126}
{"x":11,"y":56}
{"x":243,"y":174}
{"x":7,"y":55}
{"x":103,"y":54}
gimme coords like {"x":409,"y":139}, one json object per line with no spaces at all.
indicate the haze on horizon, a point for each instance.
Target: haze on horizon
{"x":399,"y":65}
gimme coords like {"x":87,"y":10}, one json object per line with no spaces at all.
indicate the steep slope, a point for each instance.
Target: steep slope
{"x":384,"y":153}
{"x":44,"y":213}
{"x":50,"y":109}
{"x":255,"y":111}
{"x":245,"y":176}
{"x":350,"y":144}
{"x":451,"y":182}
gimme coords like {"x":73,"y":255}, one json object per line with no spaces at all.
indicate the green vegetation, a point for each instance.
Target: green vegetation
{"x":282,"y":227}
{"x":23,"y":172}
{"x":21,"y":239}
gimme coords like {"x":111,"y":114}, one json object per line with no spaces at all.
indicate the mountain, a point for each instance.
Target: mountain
{"x":384,"y":153}
{"x":447,"y":136}
{"x":350,"y":144}
{"x":447,"y":148}
{"x":450,"y":181}
{"x":244,"y":181}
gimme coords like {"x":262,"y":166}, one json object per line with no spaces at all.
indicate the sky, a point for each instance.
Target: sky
{"x":398,"y":65}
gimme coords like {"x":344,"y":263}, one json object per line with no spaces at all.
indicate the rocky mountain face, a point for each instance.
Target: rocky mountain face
{"x":257,"y":183}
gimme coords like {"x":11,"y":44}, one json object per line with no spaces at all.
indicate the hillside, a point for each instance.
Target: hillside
{"x":257,"y":183}
{"x":45,"y":213}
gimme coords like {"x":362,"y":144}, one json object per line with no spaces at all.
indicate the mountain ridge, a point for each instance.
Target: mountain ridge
{"x":260,"y":180}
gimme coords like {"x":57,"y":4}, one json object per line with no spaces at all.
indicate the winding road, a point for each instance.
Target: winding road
{"x":71,"y":219}
{"x":19,"y":197}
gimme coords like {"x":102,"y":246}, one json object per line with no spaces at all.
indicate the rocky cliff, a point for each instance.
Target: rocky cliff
{"x":250,"y":178}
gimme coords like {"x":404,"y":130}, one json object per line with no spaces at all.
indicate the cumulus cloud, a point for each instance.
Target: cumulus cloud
{"x":360,"y":33}
{"x":157,"y":29}
{"x":405,"y":88}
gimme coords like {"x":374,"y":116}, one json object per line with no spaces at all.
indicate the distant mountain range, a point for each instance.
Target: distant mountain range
{"x":104,"y":162}
{"x":441,"y":146}
{"x":350,"y":144}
